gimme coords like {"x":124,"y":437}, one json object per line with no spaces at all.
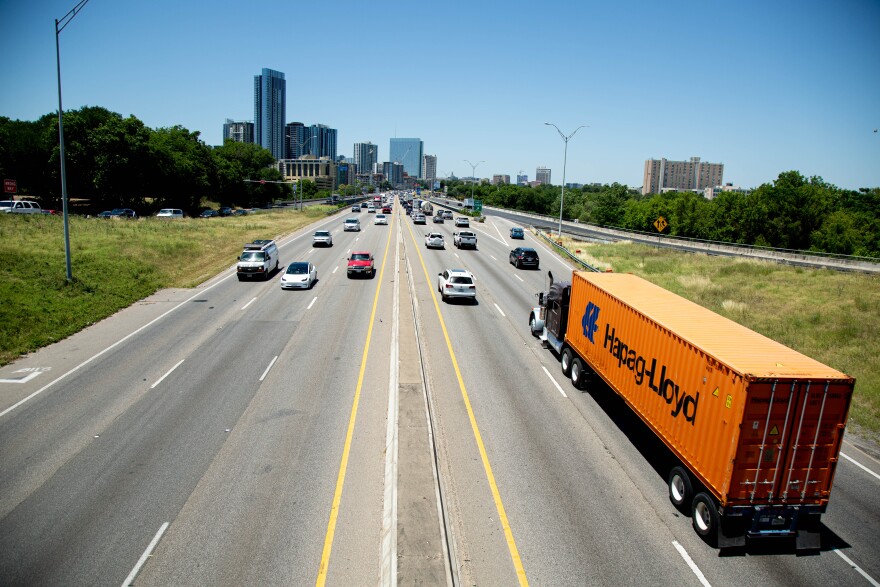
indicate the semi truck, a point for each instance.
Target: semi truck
{"x":754,"y":428}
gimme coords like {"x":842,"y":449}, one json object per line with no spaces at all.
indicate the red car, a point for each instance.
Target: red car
{"x":361,"y":263}
{"x":386,"y":210}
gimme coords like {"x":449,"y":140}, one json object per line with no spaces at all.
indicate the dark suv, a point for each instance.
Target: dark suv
{"x":524,"y":257}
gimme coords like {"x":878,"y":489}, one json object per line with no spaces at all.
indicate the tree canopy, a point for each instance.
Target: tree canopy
{"x":113,"y":161}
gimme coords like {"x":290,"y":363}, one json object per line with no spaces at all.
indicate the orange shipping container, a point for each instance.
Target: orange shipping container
{"x":758,"y":424}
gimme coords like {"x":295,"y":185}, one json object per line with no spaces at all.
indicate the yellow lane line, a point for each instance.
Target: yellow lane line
{"x":496,"y":495}
{"x":340,"y":480}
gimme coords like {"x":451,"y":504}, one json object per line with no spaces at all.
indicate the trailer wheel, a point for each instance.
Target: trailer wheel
{"x":577,"y":373}
{"x":681,"y":490}
{"x":566,"y":361}
{"x":704,"y":514}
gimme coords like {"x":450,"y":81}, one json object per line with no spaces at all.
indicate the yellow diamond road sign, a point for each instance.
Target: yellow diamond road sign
{"x":660,"y":224}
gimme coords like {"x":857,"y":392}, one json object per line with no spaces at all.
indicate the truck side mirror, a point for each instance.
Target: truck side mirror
{"x":540,"y":298}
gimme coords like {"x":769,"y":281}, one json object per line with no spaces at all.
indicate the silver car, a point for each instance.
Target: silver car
{"x":322,"y":238}
{"x":299,"y":275}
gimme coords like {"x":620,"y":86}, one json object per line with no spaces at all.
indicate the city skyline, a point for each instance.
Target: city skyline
{"x":772,"y":93}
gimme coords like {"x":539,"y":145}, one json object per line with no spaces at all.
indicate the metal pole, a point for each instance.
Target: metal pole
{"x":473,"y":177}
{"x":564,"y":164}
{"x":61,"y":153}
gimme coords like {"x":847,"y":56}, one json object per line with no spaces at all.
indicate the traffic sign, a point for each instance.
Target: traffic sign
{"x":478,"y":205}
{"x":660,"y":224}
{"x":10,"y":186}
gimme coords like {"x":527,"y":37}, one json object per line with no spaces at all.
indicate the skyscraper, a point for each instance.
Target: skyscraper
{"x":270,"y":104}
{"x":429,"y":167}
{"x":296,"y":140}
{"x":408,"y":152}
{"x":542,"y":174}
{"x":322,"y":141}
{"x":365,"y":156}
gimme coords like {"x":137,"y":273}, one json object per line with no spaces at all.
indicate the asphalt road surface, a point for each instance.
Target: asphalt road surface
{"x":362,"y":432}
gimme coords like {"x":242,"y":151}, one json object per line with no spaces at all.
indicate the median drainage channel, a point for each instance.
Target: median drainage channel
{"x":425,"y":549}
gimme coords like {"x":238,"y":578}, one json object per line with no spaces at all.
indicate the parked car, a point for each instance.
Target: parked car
{"x":434,"y":240}
{"x":524,"y":257}
{"x":456,"y":283}
{"x":225,"y":211}
{"x":123,"y":213}
{"x":462,"y":221}
{"x":170,"y":213}
{"x":380,"y":219}
{"x":517,"y":232}
{"x":20,"y":207}
{"x":361,"y":263}
{"x":209,"y":214}
{"x":105,"y":214}
{"x":322,"y":238}
{"x":351,"y":224}
{"x":240,"y":212}
{"x":299,"y":275}
{"x":419,"y":219}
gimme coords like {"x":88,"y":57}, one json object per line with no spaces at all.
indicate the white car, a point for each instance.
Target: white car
{"x":434,"y":240}
{"x":170,"y":213}
{"x":380,"y":219}
{"x":322,"y":237}
{"x":371,"y":209}
{"x":462,"y":221}
{"x":456,"y":283}
{"x":299,"y":275}
{"x":351,"y":224}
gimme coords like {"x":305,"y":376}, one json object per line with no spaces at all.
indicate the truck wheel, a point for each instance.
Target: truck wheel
{"x":577,"y":373}
{"x":532,"y":327}
{"x":681,"y":490}
{"x":704,"y":514}
{"x":566,"y":361}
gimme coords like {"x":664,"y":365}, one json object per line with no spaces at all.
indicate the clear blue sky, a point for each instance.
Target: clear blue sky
{"x":762,"y":87}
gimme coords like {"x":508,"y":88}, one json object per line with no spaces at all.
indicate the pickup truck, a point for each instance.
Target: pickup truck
{"x":361,"y":263}
{"x":464,"y":238}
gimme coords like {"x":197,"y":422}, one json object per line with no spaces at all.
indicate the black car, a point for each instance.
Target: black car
{"x":225,"y":211}
{"x":524,"y":257}
{"x":209,"y":214}
{"x":122,"y":213}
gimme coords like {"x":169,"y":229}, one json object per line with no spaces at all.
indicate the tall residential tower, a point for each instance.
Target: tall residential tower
{"x":270,"y":104}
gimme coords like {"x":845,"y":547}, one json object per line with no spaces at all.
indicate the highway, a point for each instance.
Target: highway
{"x":357,"y":433}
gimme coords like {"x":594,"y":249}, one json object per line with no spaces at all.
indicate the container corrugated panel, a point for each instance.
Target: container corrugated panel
{"x":755,"y":421}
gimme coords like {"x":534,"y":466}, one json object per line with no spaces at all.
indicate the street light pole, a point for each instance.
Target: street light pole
{"x":65,"y":20}
{"x":473,"y":177}
{"x":564,"y":163}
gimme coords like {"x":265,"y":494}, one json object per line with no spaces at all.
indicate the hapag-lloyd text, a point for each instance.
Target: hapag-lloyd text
{"x":667,"y":388}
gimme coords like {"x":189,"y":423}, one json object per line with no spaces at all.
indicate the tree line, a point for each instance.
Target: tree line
{"x":793,"y":212}
{"x":112,"y":162}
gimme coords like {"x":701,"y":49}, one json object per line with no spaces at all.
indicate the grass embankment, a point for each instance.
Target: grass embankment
{"x":114,"y":264}
{"x":830,"y":316}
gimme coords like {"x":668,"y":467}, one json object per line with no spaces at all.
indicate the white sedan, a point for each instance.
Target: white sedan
{"x":434,"y":240}
{"x":299,"y":275}
{"x":380,"y":219}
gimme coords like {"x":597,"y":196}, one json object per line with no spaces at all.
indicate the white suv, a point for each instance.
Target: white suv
{"x":20,"y":207}
{"x":456,"y":283}
{"x":351,"y":224}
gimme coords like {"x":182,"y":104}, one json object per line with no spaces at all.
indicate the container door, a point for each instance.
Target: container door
{"x":789,"y":442}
